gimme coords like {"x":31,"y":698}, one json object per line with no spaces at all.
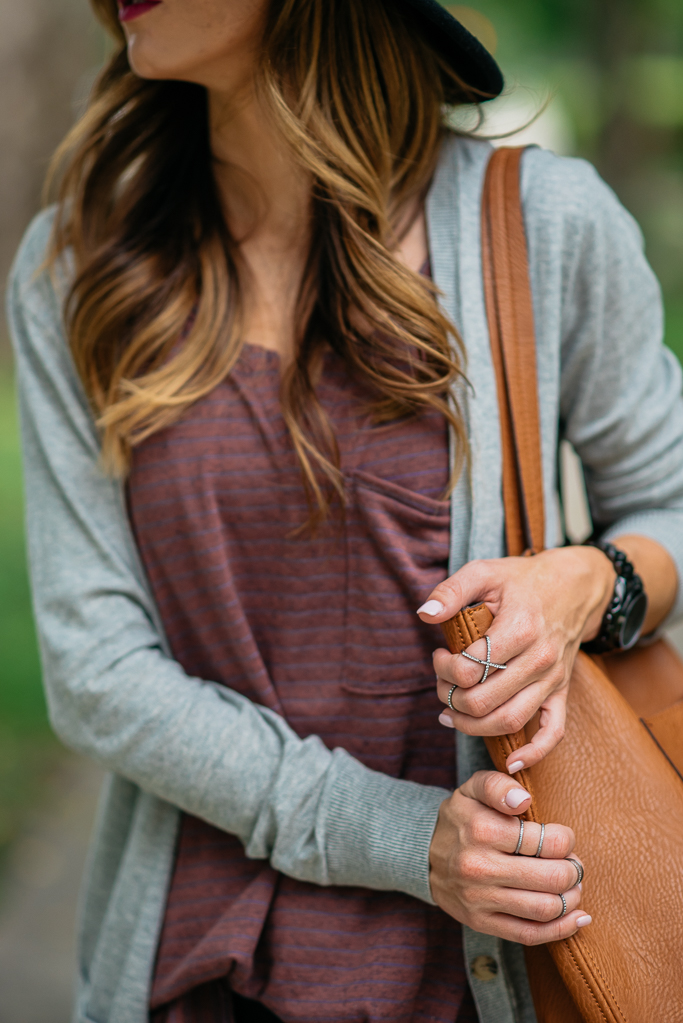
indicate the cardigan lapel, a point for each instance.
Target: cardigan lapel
{"x":453,"y":220}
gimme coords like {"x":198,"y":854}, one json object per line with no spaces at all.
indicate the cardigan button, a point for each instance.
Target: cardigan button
{"x":484,"y":968}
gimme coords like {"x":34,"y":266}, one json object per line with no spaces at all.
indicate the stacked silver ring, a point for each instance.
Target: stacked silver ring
{"x":564,"y":908}
{"x":579,"y":869}
{"x":521,"y":836}
{"x":540,"y":844}
{"x":448,"y":701}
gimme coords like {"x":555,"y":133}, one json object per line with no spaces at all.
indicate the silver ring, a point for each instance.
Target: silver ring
{"x":448,"y":701}
{"x":564,"y":908}
{"x":521,"y":836}
{"x":488,"y":663}
{"x":579,"y":869}
{"x":540,"y":844}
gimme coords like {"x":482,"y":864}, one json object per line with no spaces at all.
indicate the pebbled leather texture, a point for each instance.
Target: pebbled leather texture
{"x":666,"y":728}
{"x":612,"y":785}
{"x":650,"y":678}
{"x":614,"y":779}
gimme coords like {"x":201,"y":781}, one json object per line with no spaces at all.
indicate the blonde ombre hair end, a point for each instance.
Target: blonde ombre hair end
{"x":154,"y":311}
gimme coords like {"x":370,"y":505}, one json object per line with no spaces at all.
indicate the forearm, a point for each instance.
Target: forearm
{"x":317,"y":815}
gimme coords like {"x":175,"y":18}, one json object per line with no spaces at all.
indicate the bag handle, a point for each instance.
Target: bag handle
{"x":509,"y":310}
{"x":510,"y":314}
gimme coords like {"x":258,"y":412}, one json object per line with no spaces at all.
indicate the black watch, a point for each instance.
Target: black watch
{"x":623,"y":622}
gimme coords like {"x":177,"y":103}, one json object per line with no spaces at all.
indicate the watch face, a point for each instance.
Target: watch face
{"x":632,"y":621}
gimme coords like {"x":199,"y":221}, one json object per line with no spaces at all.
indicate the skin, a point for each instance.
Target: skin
{"x":539,"y":624}
{"x":538,"y":628}
{"x":266,"y":195}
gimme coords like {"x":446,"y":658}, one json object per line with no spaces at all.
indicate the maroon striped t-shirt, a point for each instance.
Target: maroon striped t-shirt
{"x":323,"y":631}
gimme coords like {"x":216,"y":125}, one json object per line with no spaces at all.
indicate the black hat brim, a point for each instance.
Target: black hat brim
{"x":471,"y":61}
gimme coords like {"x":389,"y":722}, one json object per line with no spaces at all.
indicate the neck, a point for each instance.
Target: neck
{"x":266,"y":198}
{"x":264,"y":189}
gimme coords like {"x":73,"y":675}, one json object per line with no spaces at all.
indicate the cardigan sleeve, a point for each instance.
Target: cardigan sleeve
{"x":620,"y":387}
{"x":115,"y":694}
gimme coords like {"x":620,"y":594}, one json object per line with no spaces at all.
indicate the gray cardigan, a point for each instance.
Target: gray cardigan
{"x":170,"y":741}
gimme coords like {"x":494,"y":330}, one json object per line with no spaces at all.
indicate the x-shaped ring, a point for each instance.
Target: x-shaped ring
{"x":488,"y":663}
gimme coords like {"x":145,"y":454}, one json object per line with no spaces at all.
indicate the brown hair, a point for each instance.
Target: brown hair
{"x":154,"y":310}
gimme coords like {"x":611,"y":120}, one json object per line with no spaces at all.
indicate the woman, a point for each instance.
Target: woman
{"x":235,"y":382}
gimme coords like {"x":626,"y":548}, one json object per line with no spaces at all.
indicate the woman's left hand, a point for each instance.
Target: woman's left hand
{"x":544,"y":607}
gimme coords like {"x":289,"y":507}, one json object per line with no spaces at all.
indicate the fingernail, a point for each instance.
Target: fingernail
{"x":583,"y":921}
{"x":446,"y":720}
{"x":517,"y":766}
{"x":432,"y":607}
{"x":515,"y":798}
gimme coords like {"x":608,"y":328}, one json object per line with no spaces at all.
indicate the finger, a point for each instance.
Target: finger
{"x":558,"y":840}
{"x":478,"y":702}
{"x":506,"y":716}
{"x":539,"y":906}
{"x":459,"y":670}
{"x":579,"y":867}
{"x":510,"y":717}
{"x":542,"y":662}
{"x":475,"y":706}
{"x":472,"y":584}
{"x":498,"y":791}
{"x":529,"y":874}
{"x":547,"y":738}
{"x":509,"y":637}
{"x":512,"y":634}
{"x":528,"y":932}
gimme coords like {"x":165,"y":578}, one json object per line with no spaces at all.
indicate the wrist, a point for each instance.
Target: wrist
{"x":603,"y":577}
{"x":588,"y":575}
{"x":623,"y":621}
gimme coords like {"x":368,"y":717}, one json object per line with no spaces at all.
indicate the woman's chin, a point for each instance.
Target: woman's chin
{"x":148,"y":60}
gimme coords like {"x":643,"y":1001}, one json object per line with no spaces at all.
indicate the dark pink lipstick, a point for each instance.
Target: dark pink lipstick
{"x":129,"y":9}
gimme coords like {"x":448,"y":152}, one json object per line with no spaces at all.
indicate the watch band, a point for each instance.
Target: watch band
{"x":623,"y":621}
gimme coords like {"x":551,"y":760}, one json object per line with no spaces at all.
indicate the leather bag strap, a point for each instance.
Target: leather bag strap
{"x":509,"y":309}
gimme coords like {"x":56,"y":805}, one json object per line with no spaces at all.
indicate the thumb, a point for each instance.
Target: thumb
{"x":498,"y":791}
{"x":469,"y":585}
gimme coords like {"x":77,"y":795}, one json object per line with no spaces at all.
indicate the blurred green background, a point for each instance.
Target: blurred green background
{"x":611,"y":73}
{"x":26,"y":748}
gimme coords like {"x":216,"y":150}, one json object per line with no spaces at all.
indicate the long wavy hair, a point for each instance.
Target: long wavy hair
{"x":154,"y":311}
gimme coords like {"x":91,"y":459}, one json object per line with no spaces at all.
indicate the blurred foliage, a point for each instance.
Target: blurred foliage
{"x":21,"y":701}
{"x":26,"y":746}
{"x":674,"y":326}
{"x":616,"y":70}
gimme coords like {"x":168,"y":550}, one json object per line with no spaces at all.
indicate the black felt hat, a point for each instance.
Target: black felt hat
{"x":459,"y":48}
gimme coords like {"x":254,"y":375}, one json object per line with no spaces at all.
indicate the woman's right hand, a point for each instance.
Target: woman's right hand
{"x":475,"y":878}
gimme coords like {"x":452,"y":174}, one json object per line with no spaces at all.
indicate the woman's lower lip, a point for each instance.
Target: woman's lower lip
{"x":130,"y":11}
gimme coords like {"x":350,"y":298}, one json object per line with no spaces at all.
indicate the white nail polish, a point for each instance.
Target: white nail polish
{"x":583,"y":921}
{"x":517,"y":766}
{"x":515,"y":798}
{"x":432,"y":607}
{"x":446,"y":720}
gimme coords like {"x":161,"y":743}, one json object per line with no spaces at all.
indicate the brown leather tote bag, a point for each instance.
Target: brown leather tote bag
{"x":617,"y":778}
